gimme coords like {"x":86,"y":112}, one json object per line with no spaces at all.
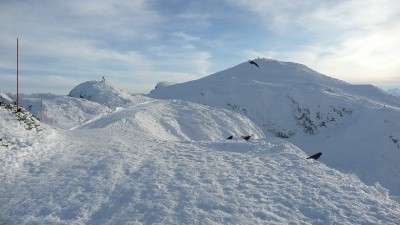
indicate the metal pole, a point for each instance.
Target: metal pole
{"x":41,"y":110}
{"x":17,"y":77}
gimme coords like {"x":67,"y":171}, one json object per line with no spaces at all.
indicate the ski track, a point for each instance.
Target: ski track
{"x":102,"y":178}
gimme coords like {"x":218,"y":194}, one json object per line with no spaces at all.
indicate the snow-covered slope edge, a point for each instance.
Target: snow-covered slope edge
{"x":20,"y":139}
{"x":178,"y":121}
{"x":5,"y":98}
{"x":86,"y":101}
{"x":60,"y":111}
{"x":143,"y":165}
{"x":354,"y":126}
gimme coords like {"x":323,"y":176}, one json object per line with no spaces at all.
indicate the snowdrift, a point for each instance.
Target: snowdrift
{"x":62,"y":112}
{"x":19,"y":141}
{"x":178,"y":121}
{"x":353,"y":125}
{"x":104,"y":173}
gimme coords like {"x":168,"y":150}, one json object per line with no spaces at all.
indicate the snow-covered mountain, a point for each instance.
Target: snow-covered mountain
{"x":354,"y":126}
{"x":116,"y":158}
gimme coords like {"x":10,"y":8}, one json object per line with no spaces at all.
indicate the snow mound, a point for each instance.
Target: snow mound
{"x":177,"y":120}
{"x":62,"y":112}
{"x":105,"y":94}
{"x":352,"y":125}
{"x":19,"y":142}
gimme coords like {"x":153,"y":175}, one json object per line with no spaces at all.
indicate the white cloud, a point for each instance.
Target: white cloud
{"x":321,"y":16}
{"x":133,"y":41}
{"x":356,"y":41}
{"x":186,"y":37}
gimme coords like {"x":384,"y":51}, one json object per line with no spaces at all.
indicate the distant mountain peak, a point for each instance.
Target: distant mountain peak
{"x":312,"y":110}
{"x":269,"y":70}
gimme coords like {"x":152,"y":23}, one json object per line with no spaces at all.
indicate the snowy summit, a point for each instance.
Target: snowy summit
{"x":104,"y":93}
{"x":108,"y":157}
{"x":354,"y":126}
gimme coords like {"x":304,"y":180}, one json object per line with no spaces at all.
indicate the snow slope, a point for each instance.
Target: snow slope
{"x":178,"y":121}
{"x":354,"y":126}
{"x":5,"y":98}
{"x":62,"y":111}
{"x":86,"y":101}
{"x":19,"y":142}
{"x":179,"y":169}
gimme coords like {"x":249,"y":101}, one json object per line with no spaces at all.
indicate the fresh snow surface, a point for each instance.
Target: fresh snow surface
{"x":63,"y":112}
{"x":177,"y":169}
{"x":86,"y":101}
{"x":177,"y":120}
{"x":354,"y":126}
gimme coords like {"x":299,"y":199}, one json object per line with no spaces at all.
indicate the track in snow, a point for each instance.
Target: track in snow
{"x":117,"y":179}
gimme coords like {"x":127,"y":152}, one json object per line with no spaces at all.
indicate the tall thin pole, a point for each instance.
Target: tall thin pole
{"x":41,"y":110}
{"x":17,"y":76}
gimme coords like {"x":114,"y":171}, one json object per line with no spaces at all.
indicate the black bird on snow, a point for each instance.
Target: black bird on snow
{"x":315,"y":156}
{"x":254,"y":63}
{"x":229,"y":138}
{"x":247,"y":137}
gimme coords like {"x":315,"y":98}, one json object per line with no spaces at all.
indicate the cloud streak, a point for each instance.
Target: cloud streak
{"x":353,"y":40}
{"x":139,"y":43}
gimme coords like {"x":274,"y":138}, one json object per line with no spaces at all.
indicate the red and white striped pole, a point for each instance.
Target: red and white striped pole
{"x":17,"y":77}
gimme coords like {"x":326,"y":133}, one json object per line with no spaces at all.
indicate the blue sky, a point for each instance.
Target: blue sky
{"x":137,"y":43}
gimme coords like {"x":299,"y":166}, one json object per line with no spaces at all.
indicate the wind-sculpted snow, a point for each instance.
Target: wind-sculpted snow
{"x":104,"y":177}
{"x":20,"y":144}
{"x":354,"y":126}
{"x":177,"y":120}
{"x":168,"y":162}
{"x":62,"y":111}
